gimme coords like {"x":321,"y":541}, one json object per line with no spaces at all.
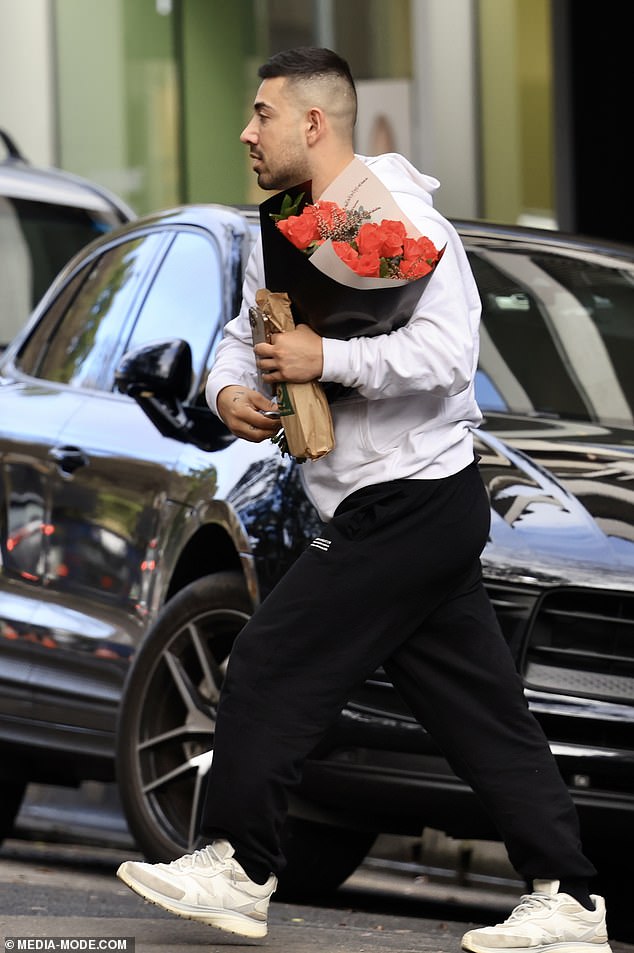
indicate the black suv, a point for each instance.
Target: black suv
{"x":46,"y":215}
{"x":137,"y":535}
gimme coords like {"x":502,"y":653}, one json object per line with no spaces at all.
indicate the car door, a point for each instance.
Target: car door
{"x":54,"y":375}
{"x":115,"y":498}
{"x":33,"y":417}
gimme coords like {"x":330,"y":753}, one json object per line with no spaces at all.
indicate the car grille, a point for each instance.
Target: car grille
{"x":581,"y":643}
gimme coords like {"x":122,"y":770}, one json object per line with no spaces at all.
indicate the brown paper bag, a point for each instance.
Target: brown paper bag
{"x":304,"y":411}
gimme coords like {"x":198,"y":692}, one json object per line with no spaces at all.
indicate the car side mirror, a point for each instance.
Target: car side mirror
{"x":160,"y":368}
{"x":158,"y":376}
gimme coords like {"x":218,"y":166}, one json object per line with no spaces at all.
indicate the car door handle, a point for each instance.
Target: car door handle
{"x":68,"y":459}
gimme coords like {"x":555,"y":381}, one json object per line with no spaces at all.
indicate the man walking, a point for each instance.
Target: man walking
{"x":395,"y":579}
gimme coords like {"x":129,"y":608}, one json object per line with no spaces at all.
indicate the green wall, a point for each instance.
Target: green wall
{"x":154,"y":107}
{"x":117,"y":96}
{"x":152,"y":104}
{"x":216,"y":41}
{"x":90,"y":92}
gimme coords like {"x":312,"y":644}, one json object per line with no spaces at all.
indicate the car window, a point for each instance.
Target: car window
{"x":557,"y":335}
{"x":16,"y":274}
{"x":185,"y":299}
{"x":78,"y":338}
{"x":36,"y":240}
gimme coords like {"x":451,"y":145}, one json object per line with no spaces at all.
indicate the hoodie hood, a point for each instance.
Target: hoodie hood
{"x":413,"y":192}
{"x":401,"y":177}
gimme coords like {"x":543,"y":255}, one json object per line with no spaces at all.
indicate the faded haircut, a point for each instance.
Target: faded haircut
{"x":319,"y":73}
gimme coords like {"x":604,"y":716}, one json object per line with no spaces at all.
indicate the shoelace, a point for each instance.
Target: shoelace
{"x":206,"y":857}
{"x":528,"y":904}
{"x":189,"y":860}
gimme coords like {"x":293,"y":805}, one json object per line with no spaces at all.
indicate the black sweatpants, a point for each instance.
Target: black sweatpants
{"x":394,"y":580}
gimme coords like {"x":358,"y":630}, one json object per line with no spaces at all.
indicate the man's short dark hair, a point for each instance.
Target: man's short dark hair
{"x":310,"y":62}
{"x":306,"y":61}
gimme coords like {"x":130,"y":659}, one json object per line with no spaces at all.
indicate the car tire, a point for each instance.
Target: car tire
{"x":12,"y":797}
{"x":165,"y":739}
{"x":166,"y":723}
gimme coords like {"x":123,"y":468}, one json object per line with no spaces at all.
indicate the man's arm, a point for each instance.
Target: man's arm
{"x":435,"y":352}
{"x":231,"y":386}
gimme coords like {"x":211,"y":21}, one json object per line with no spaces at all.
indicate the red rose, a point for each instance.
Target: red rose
{"x":420,"y":248}
{"x":384,"y":239}
{"x":302,"y":229}
{"x":368,"y":239}
{"x":393,"y":235}
{"x":346,"y":252}
{"x":329,"y":214}
{"x":368,"y":266}
{"x":365,"y":265}
{"x":414,"y":268}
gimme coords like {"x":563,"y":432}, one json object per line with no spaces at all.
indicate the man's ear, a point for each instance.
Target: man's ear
{"x":315,"y":124}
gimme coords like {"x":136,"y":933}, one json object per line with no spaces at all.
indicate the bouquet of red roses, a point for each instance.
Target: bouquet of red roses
{"x":370,"y":249}
{"x":351,"y":263}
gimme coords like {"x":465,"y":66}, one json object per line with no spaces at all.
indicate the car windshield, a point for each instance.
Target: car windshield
{"x":557,"y":334}
{"x":36,"y":241}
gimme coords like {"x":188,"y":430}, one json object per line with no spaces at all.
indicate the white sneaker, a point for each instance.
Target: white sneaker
{"x":545,"y":921}
{"x":208,"y":886}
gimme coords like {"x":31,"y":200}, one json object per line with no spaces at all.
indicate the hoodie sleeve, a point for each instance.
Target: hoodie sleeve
{"x":435,"y":352}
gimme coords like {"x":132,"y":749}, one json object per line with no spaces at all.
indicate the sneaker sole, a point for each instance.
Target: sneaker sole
{"x":568,"y":947}
{"x":228,"y":922}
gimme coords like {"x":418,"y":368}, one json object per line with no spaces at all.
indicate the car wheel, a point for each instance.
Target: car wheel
{"x":166,"y":732}
{"x":12,"y":796}
{"x":166,"y":725}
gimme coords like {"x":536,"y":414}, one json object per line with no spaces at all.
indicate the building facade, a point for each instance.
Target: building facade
{"x":149,"y":97}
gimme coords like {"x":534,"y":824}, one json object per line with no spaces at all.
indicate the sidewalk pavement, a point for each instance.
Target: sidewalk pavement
{"x":433,"y":903}
{"x":291,"y":930}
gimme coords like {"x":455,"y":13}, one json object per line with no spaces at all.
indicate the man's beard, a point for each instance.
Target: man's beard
{"x":284,"y":178}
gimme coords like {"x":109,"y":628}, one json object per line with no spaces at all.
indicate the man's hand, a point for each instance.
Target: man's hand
{"x":241,"y":410}
{"x":295,"y":356}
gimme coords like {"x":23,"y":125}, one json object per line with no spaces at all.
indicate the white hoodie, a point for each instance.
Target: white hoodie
{"x":414,"y":407}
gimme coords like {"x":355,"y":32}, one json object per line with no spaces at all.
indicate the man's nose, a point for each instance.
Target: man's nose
{"x":247,"y":135}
